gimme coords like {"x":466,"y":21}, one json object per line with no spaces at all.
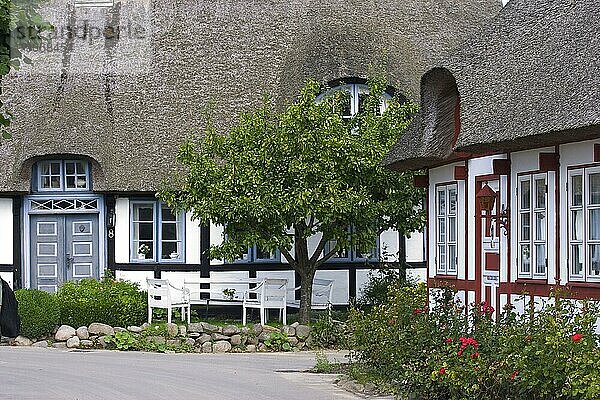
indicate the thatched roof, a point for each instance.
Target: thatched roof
{"x":529,"y":79}
{"x":126,"y":102}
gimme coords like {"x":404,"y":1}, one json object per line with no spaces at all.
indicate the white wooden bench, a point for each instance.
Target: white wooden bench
{"x":213,"y":291}
{"x":321,"y":295}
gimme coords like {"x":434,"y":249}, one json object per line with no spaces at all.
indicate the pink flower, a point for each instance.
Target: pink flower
{"x":449,"y":340}
{"x":514,"y":374}
{"x":475,"y":355}
{"x":418,"y":311}
{"x":576,"y":337}
{"x":459,"y":353}
{"x":442,"y":371}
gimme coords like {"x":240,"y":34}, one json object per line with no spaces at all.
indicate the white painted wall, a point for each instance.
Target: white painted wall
{"x":415,"y":247}
{"x":8,"y":277}
{"x":138,"y":277}
{"x":122,"y":239}
{"x":417,"y":274}
{"x":216,"y":238}
{"x":192,"y":240}
{"x":340,"y":292}
{"x":6,"y":233}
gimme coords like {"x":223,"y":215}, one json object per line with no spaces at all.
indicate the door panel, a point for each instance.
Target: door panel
{"x":63,"y":247}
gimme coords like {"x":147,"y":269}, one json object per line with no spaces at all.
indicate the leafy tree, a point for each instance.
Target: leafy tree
{"x":21,"y":26}
{"x":280,"y":177}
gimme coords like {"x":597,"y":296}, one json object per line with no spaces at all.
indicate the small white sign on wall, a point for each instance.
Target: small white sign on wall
{"x":491,"y":278}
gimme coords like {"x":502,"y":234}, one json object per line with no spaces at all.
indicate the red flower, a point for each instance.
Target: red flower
{"x":514,"y":374}
{"x":449,"y":340}
{"x":576,"y":337}
{"x":459,"y":353}
{"x":442,"y":371}
{"x":475,"y":355}
{"x":418,"y":311}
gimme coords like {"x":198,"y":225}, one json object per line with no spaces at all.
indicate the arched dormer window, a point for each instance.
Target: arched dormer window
{"x":61,"y":176}
{"x":358,"y":91}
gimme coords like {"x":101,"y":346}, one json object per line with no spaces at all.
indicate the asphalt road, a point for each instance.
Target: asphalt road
{"x":52,"y":374}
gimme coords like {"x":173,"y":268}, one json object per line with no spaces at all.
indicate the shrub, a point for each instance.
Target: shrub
{"x":327,"y":333}
{"x":116,"y":303}
{"x":39,"y":312}
{"x":278,"y":341}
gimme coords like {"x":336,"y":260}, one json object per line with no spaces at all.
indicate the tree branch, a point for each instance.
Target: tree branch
{"x":318,"y":250}
{"x":326,"y":257}
{"x":288,"y":256}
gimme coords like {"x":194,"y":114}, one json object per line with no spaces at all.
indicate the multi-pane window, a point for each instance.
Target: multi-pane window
{"x":63,"y":175}
{"x":157,"y":232}
{"x":256,"y":254}
{"x":446,"y":228}
{"x":352,"y":253}
{"x":356,"y":100}
{"x":584,"y":224}
{"x":532,"y":225}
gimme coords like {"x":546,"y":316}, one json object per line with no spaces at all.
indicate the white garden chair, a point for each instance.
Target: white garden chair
{"x":270,"y":294}
{"x":322,"y":290}
{"x":161,"y":294}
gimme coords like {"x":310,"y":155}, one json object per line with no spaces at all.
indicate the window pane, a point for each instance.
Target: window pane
{"x":265,"y":254}
{"x":452,"y":229}
{"x":46,"y":182}
{"x":452,"y":200}
{"x":525,"y":195}
{"x":45,"y":168}
{"x":442,"y":258}
{"x":145,"y":231}
{"x":540,"y":257}
{"x":540,"y":193}
{"x":525,"y":226}
{"x":594,"y":180}
{"x":540,"y":226}
{"x":442,"y":230}
{"x":577,"y":259}
{"x":55,"y":168}
{"x":525,"y":258}
{"x":80,"y":168}
{"x":576,"y":225}
{"x":70,"y":168}
{"x":594,"y":260}
{"x":595,"y":224}
{"x":81,"y":182}
{"x":169,"y":231}
{"x":70,"y":182}
{"x":143,"y":213}
{"x":146,"y":245}
{"x":171,"y":250}
{"x":451,"y":258}
{"x":55,"y":182}
{"x":442,"y":202}
{"x":167,"y":214}
{"x":576,"y":190}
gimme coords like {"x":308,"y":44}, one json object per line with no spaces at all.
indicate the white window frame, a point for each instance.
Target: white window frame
{"x":157,"y":234}
{"x":62,"y":176}
{"x":537,"y":237}
{"x":444,"y":265}
{"x":585,"y":241}
{"x":355,"y":90}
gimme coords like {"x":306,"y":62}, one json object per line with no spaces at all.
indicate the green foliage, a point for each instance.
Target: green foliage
{"x":323,"y":365}
{"x":116,"y":303}
{"x":327,"y":333}
{"x":377,"y":289}
{"x":440,"y":353}
{"x":123,"y":340}
{"x":278,"y":341}
{"x":303,"y":169}
{"x":39,"y":312}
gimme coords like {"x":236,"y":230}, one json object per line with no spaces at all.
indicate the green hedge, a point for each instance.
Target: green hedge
{"x":112,"y":302}
{"x":39,"y":312}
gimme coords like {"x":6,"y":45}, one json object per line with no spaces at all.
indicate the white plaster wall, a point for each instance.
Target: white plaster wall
{"x":122,"y":239}
{"x":417,"y":274}
{"x":177,"y":278}
{"x":415,"y":247}
{"x":138,"y":277}
{"x":520,"y":303}
{"x":6,"y":233}
{"x":8,"y":277}
{"x":470,"y":297}
{"x":572,"y":154}
{"x":389,"y":245}
{"x":461,"y":297}
{"x":216,"y":238}
{"x":440,"y":175}
{"x":192,"y":240}
{"x":340,"y":292}
{"x":503,"y":301}
{"x":362,"y":278}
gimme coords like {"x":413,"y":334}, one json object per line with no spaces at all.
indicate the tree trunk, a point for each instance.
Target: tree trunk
{"x":306,"y":275}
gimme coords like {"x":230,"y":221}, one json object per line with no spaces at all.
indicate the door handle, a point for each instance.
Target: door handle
{"x":69,"y":260}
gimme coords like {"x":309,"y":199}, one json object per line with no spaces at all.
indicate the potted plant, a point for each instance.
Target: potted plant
{"x":143,"y":250}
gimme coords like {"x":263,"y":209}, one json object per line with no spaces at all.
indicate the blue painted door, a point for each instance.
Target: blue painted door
{"x":63,"y":248}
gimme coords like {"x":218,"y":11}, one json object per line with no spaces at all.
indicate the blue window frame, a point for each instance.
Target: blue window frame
{"x":255,"y":254}
{"x":157,"y":233}
{"x":351,"y":253}
{"x":62,"y":176}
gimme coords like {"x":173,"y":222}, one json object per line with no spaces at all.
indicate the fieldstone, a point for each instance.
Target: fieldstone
{"x":251,"y":348}
{"x":195,"y":327}
{"x":73,"y":342}
{"x":65,"y":332}
{"x":102,"y":341}
{"x":22,"y":341}
{"x":93,"y":337}
{"x":190,"y":341}
{"x":292,"y":340}
{"x":174,"y":342}
{"x":203,"y":339}
{"x":252,"y":340}
{"x":288,"y":330}
{"x":172,"y":330}
{"x":41,"y":343}
{"x":370,"y":388}
{"x":119,"y":329}
{"x":262,"y":347}
{"x":207,"y":347}
{"x":301,"y":345}
{"x":231,"y":330}
{"x":82,"y":333}
{"x":97,"y":328}
{"x":218,"y":336}
{"x":295,"y":324}
{"x":194,"y":335}
{"x":134,"y":329}
{"x":182,"y":330}
{"x":270,"y":329}
{"x":156,"y":339}
{"x":257,"y":328}
{"x":236,"y":340}
{"x":198,"y":349}
{"x":222,"y":346}
{"x":145,"y":325}
{"x":87,"y":343}
{"x":245,"y":330}
{"x":59,"y":345}
{"x":302,"y":331}
{"x":354,"y":387}
{"x":209,"y":327}
{"x":263,"y":336}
